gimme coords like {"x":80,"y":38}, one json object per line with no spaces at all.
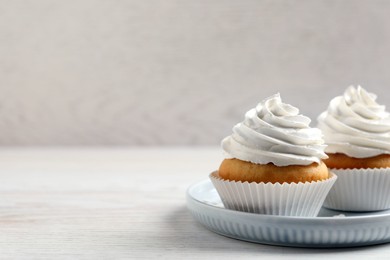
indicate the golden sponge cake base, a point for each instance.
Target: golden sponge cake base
{"x":237,"y":170}
{"x":342,"y":161}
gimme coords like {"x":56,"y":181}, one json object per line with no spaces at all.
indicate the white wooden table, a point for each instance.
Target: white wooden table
{"x":101,"y":203}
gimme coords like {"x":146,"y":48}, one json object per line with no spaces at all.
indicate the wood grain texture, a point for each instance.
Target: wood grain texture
{"x":177,"y":72}
{"x":119,"y":204}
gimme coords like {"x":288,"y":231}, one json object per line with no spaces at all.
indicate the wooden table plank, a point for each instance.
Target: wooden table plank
{"x":118,"y":204}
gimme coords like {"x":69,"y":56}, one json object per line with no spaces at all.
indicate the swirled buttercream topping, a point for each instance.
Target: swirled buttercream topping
{"x":275,"y":132}
{"x":356,"y":125}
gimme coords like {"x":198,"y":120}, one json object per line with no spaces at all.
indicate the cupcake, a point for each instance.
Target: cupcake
{"x":273,"y":163}
{"x":357,"y":133}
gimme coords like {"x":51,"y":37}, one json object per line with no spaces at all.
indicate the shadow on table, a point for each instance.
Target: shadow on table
{"x":189,"y":234}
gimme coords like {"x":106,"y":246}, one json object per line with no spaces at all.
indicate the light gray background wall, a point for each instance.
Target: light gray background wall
{"x":177,"y":72}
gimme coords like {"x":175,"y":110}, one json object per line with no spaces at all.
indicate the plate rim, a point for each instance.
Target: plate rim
{"x":290,"y":231}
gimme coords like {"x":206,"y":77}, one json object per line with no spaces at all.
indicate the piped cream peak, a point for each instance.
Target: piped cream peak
{"x":275,"y":132}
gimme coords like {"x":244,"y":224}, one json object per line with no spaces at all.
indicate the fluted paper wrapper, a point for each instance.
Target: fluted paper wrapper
{"x":360,"y":190}
{"x":287,"y":199}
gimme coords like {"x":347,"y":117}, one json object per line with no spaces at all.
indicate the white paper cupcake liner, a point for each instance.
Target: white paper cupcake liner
{"x":360,"y":190}
{"x":287,"y":199}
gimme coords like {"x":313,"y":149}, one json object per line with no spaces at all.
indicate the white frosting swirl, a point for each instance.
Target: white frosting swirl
{"x":274,"y":132}
{"x":356,"y":125}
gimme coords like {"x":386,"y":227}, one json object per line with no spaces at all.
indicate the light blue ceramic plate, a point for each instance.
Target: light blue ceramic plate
{"x":329,"y":229}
